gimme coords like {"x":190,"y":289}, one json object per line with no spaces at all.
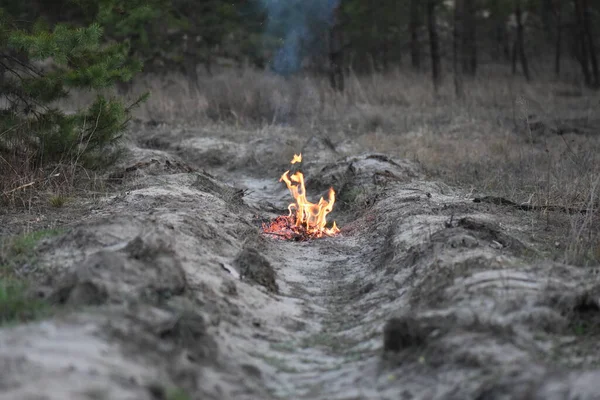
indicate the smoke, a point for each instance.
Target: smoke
{"x":298,"y":27}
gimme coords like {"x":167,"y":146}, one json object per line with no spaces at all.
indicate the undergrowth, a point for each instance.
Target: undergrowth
{"x":17,"y":302}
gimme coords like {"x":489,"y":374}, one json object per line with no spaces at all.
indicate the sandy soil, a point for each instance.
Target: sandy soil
{"x":167,"y":283}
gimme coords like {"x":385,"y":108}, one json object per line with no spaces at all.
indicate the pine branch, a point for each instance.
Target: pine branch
{"x":84,"y":59}
{"x":32,"y":70}
{"x":11,"y":70}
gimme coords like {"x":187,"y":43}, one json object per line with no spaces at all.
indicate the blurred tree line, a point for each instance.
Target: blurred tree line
{"x":50,"y":47}
{"x":365,"y":36}
{"x":333,"y":36}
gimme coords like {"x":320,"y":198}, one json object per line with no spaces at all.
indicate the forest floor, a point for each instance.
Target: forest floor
{"x":466,"y":265}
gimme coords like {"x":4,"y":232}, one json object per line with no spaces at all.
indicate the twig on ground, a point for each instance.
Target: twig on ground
{"x":29,"y":184}
{"x":528,"y":207}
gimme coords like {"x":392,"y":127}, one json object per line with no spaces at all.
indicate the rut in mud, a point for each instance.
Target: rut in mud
{"x":167,"y":283}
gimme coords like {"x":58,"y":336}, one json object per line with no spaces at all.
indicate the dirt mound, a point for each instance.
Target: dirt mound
{"x":142,"y":271}
{"x":232,"y":195}
{"x":153,"y":166}
{"x":254,"y":267}
{"x":471,"y":305}
{"x":358,"y":180}
{"x":167,"y":284}
{"x":136,"y":352}
{"x":208,"y":152}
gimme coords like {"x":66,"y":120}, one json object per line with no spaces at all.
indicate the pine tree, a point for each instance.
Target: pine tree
{"x":203,"y":30}
{"x":33,"y":130}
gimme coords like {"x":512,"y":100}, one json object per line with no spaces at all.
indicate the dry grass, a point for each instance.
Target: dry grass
{"x":23,"y":184}
{"x":27,"y":178}
{"x":497,"y":141}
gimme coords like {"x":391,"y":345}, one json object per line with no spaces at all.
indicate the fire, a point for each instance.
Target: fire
{"x":306,"y":219}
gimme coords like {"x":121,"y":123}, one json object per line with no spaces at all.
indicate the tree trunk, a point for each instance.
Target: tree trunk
{"x":501,"y":40}
{"x":520,"y":45}
{"x":473,"y":44}
{"x":2,"y":76}
{"x":581,"y":42}
{"x":506,"y":46}
{"x":414,"y":24}
{"x":190,"y":67}
{"x":434,"y":44}
{"x":496,"y":32}
{"x":587,"y":27}
{"x":208,"y":64}
{"x":469,"y":37}
{"x":385,"y":55}
{"x":558,"y":39}
{"x":458,"y":81}
{"x":513,"y":56}
{"x":557,"y":51}
{"x":546,"y":15}
{"x":336,"y":54}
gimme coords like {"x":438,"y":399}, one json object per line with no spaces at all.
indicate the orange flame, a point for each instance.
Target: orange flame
{"x":297,"y":158}
{"x":309,"y":218}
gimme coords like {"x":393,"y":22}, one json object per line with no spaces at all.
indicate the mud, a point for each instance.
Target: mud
{"x":167,"y":284}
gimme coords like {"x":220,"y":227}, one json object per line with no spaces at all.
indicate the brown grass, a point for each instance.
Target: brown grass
{"x":25,"y":187}
{"x":497,"y":141}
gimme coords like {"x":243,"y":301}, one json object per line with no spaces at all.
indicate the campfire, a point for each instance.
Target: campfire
{"x":306,"y":220}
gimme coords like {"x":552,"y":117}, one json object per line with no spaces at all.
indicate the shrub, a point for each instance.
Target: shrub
{"x":34,"y":132}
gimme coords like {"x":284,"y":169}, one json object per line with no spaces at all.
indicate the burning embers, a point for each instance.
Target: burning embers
{"x":306,"y":220}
